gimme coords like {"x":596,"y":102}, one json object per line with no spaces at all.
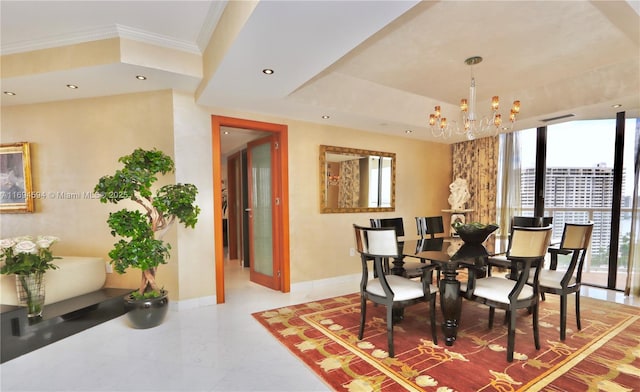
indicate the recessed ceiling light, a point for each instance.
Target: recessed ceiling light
{"x":9,"y":93}
{"x":72,"y":86}
{"x":617,"y":105}
{"x":141,"y":77}
{"x":325,"y":117}
{"x":226,"y":132}
{"x":408,"y":131}
{"x":267,"y":71}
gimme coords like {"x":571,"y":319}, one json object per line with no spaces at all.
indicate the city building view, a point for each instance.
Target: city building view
{"x":579,"y":187}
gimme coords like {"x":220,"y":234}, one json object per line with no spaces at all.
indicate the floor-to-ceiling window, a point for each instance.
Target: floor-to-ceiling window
{"x":632,"y":129}
{"x":579,"y":185}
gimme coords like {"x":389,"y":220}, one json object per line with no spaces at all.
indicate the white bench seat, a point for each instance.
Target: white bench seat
{"x":76,"y":275}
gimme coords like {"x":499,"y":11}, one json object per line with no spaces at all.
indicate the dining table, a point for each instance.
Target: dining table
{"x":450,"y":255}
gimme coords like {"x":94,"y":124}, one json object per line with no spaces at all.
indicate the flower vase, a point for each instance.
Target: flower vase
{"x":31,"y":293}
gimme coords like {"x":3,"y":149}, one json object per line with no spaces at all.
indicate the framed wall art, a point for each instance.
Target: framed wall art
{"x":16,"y":192}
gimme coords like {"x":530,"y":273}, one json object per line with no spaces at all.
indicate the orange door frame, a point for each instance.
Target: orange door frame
{"x":217,"y":122}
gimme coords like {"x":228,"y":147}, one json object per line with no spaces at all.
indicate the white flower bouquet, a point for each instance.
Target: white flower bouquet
{"x":26,"y":255}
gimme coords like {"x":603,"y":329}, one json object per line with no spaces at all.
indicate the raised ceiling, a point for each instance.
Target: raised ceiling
{"x":378,"y":66}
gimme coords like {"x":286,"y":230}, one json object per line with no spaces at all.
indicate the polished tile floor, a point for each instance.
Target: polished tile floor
{"x":212,"y":348}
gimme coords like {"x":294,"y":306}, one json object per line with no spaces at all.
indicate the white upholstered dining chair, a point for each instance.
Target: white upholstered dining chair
{"x":501,"y":261}
{"x":576,"y":238}
{"x":528,"y":248}
{"x":429,"y":226}
{"x":392,"y":291}
{"x":412,"y":268}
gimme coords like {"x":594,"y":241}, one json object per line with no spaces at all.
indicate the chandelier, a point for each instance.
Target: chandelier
{"x":471,"y":124}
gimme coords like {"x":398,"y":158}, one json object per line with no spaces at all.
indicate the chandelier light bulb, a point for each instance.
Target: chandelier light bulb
{"x":497,"y":120}
{"x":516,"y":107}
{"x":495,"y":103}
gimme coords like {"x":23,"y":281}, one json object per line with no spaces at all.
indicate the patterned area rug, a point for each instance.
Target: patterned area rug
{"x":604,"y":355}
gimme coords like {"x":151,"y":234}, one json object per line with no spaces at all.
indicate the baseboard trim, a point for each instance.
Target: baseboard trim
{"x":322,"y":283}
{"x":192,"y":303}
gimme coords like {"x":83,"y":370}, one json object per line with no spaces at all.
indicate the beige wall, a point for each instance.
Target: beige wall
{"x":76,"y":142}
{"x":320,"y":243}
{"x":194,"y":259}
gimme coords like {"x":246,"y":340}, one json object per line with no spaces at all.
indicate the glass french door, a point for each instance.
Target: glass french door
{"x":260,"y":163}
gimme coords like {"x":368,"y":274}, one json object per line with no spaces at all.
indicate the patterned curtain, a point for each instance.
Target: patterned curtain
{"x":477,"y":162}
{"x":349,"y":184}
{"x":509,"y":195}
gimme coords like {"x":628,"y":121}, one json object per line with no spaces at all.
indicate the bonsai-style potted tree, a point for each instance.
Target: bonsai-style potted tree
{"x":142,"y":229}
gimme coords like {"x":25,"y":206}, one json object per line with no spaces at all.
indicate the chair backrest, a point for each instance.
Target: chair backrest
{"x":429,"y":225}
{"x":528,"y":221}
{"x":546,"y":221}
{"x":361,"y":242}
{"x":396,"y":223}
{"x":529,"y":242}
{"x":531,"y":221}
{"x":376,"y":241}
{"x":576,"y":236}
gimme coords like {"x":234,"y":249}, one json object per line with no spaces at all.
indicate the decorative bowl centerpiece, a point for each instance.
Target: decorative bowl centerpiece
{"x":475,"y":232}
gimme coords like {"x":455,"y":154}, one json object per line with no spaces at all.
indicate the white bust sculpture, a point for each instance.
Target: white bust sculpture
{"x":459,"y":194}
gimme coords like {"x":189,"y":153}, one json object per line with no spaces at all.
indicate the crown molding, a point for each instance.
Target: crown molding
{"x":94,"y":34}
{"x":210,"y":22}
{"x":100,"y":33}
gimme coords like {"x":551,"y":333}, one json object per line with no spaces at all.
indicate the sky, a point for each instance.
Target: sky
{"x":581,"y":144}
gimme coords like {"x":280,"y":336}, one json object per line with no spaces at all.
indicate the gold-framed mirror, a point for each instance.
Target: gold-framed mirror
{"x":355,"y":180}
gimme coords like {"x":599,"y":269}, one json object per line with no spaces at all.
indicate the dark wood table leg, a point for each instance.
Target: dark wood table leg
{"x":450,"y":302}
{"x":398,"y":268}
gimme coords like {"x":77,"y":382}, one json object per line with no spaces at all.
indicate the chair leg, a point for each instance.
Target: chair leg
{"x":536,"y":330}
{"x":511,"y":336}
{"x":542,"y":298}
{"x":578,"y":310}
{"x":390,"y":330}
{"x":563,"y":316}
{"x":432,"y":311}
{"x":492,"y":312}
{"x":437,"y":281}
{"x":363,"y":314}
